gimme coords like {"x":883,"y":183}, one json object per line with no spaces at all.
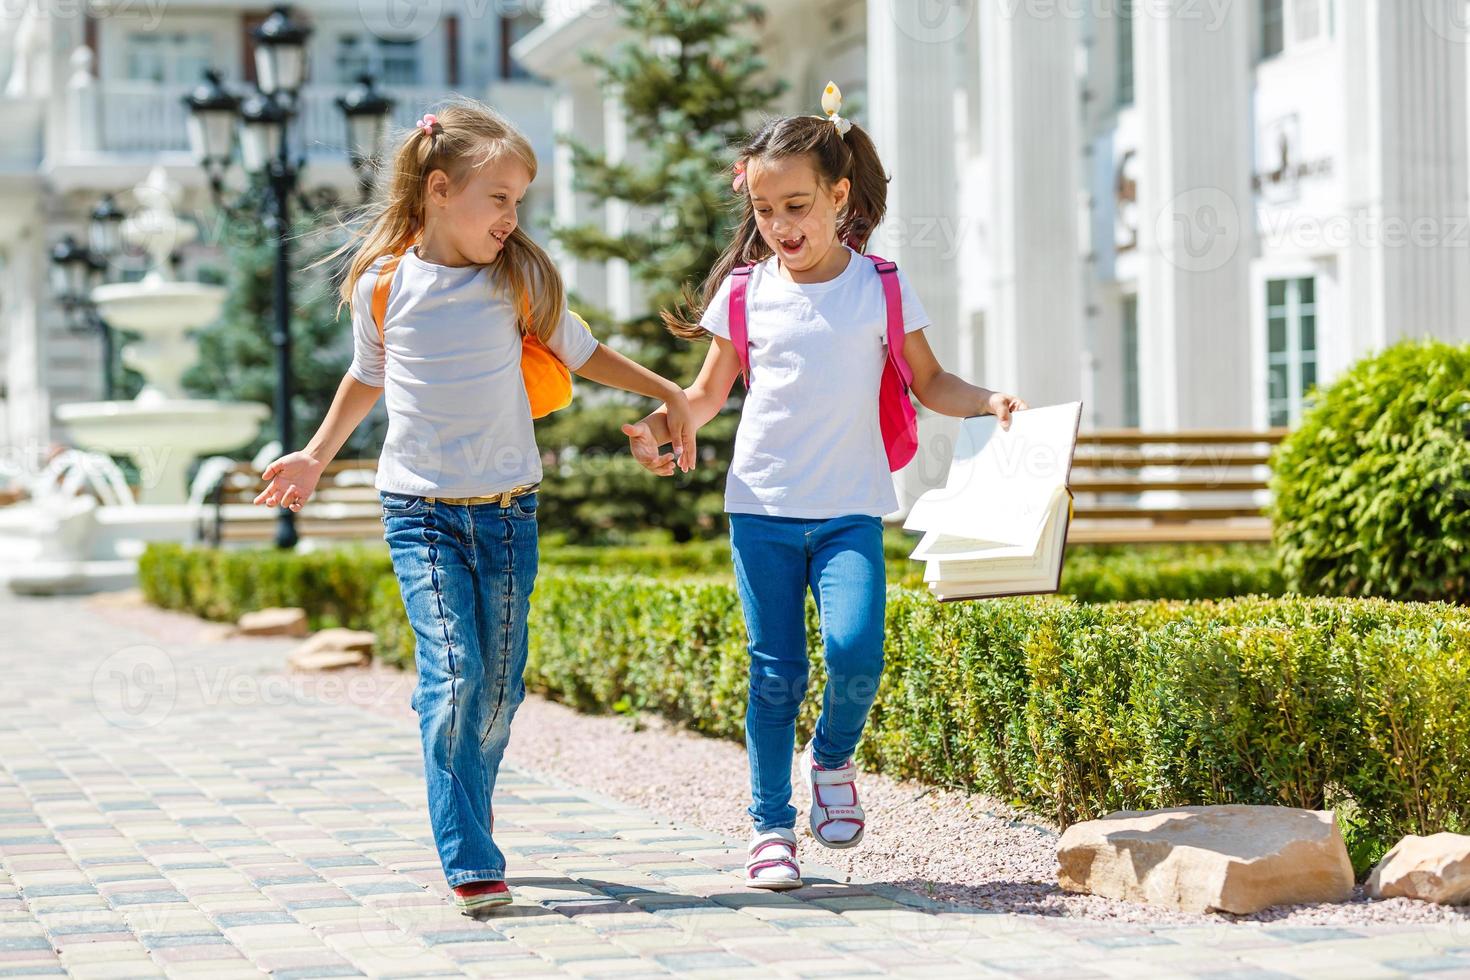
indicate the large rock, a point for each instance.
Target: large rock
{"x":1431,"y":869}
{"x":332,"y":649}
{"x":273,"y":622}
{"x":1238,"y":859}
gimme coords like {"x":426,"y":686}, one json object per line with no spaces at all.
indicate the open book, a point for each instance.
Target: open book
{"x":999,"y":524}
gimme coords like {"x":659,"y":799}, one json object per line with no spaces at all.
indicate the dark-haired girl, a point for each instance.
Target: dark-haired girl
{"x":809,"y":482}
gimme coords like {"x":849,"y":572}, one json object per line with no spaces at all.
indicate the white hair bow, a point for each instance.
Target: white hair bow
{"x":832,"y":105}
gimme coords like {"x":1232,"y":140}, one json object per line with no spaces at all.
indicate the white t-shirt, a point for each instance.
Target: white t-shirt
{"x":459,"y":420}
{"x":808,"y":444}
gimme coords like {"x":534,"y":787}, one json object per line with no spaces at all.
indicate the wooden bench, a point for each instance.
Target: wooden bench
{"x":1134,"y":487}
{"x":344,"y":507}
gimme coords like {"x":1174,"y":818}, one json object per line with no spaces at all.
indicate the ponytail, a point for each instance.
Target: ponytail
{"x":833,"y":156}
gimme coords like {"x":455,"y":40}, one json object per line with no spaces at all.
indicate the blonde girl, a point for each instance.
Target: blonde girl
{"x":459,"y":467}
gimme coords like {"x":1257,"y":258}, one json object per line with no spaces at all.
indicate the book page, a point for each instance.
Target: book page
{"x":1002,"y":484}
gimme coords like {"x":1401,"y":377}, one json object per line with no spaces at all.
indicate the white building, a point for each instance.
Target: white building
{"x":92,"y":101}
{"x":1184,"y":212}
{"x":1184,"y":216}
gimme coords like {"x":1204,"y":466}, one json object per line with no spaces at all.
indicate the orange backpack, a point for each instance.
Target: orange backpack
{"x":548,"y":381}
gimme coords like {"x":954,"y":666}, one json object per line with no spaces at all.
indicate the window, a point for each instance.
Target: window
{"x":1130,"y":361}
{"x":1291,"y":347}
{"x":1285,"y":24}
{"x":164,"y":57}
{"x":512,"y":29}
{"x":393,"y":61}
{"x":1123,"y":24}
{"x":1306,"y":20}
{"x":1273,"y":28}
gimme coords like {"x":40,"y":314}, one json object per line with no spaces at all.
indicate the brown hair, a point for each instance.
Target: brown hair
{"x":833,"y":156}
{"x":467,"y":136}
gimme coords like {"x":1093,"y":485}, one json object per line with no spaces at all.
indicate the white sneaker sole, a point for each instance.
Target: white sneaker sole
{"x":835,"y":845}
{"x":773,"y":885}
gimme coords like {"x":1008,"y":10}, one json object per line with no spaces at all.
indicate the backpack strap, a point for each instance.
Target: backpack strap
{"x":739,"y":335}
{"x":381,"y":288}
{"x":893,"y":302}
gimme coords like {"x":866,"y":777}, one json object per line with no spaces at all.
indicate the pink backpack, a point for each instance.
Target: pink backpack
{"x":896,"y":417}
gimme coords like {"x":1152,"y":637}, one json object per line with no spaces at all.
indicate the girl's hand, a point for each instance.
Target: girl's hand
{"x":1002,"y":405}
{"x":681,"y":429}
{"x":292,"y":480}
{"x":644,"y":446}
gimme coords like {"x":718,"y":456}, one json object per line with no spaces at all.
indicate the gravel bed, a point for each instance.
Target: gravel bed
{"x":942,"y":843}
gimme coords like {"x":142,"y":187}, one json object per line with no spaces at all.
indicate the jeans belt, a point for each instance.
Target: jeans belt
{"x":501,"y":499}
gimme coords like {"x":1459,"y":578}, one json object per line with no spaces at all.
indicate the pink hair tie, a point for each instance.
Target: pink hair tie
{"x":428,"y":123}
{"x":739,"y":180}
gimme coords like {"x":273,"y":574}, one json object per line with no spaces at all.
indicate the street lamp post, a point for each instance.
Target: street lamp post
{"x":76,"y":269}
{"x":264,"y":118}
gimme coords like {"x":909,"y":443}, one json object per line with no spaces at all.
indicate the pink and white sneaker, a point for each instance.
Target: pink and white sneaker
{"x":837,"y":818}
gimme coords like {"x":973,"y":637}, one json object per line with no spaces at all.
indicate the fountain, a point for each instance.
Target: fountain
{"x":82,"y":529}
{"x":161,"y":430}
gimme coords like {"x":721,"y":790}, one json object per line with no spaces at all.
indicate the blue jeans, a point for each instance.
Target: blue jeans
{"x":466,"y":575}
{"x":776,"y":560}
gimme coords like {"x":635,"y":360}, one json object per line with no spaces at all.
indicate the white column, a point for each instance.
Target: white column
{"x":1196,"y":214}
{"x":28,"y":407}
{"x":1034,"y":333}
{"x":910,"y":116}
{"x":910,"y":98}
{"x":84,"y":123}
{"x":1406,"y":271}
{"x":578,"y":113}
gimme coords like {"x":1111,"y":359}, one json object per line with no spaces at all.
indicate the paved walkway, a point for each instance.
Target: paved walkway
{"x":169,"y":806}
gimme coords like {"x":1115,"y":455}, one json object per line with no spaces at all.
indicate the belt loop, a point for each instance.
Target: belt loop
{"x":506,"y":497}
{"x":430,"y":500}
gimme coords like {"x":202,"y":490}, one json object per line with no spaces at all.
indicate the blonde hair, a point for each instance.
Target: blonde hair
{"x":467,"y":136}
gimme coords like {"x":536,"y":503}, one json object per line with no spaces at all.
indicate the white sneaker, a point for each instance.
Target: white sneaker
{"x":837,"y":818}
{"x":772,"y":862}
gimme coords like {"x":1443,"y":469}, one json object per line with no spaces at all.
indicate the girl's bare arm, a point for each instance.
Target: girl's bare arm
{"x":948,"y":394}
{"x":292,"y":479}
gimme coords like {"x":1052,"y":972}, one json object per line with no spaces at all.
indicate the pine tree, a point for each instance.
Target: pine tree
{"x":237,"y":361}
{"x":690,"y":81}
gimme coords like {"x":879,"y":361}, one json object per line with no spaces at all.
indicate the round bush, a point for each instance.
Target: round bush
{"x":1372,"y":491}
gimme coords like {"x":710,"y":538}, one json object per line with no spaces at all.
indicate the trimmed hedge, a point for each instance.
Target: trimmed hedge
{"x":1090,"y":573}
{"x":1371,"y":493}
{"x":1070,"y":709}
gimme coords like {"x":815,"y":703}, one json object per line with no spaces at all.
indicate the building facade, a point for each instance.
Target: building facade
{"x":1184,"y":212}
{"x":92,"y":101}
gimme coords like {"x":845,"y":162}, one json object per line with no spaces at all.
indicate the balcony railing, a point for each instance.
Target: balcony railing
{"x":144,"y":117}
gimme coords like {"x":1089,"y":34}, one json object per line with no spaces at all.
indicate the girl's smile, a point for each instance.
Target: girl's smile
{"x":797,"y":217}
{"x":477,"y":217}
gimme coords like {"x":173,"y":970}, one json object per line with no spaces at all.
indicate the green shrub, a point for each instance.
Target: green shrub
{"x":335,"y":586}
{"x":1372,"y":491}
{"x":1070,"y":709}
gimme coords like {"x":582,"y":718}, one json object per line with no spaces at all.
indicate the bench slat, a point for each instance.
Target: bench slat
{"x":1127,"y":461}
{"x":1183,"y":486}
